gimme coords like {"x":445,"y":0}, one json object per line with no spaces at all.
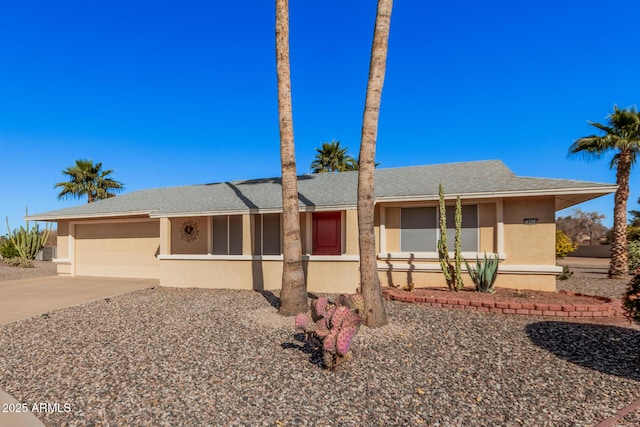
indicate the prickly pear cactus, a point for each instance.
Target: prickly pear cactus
{"x":332,"y":326}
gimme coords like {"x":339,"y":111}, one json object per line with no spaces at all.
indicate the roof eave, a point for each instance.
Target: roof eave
{"x":88,"y":215}
{"x":598,"y":191}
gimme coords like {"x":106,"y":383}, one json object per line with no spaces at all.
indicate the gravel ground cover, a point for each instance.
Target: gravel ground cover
{"x":185,"y":357}
{"x":592,"y":280}
{"x":41,"y":268}
{"x":181,"y":357}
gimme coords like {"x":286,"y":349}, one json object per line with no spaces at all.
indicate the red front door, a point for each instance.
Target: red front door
{"x":327,"y":233}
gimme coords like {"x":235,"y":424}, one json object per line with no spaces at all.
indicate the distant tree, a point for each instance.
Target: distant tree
{"x":88,"y":179}
{"x":333,"y":158}
{"x":582,"y":226}
{"x":622,"y":136}
{"x":369,"y":280}
{"x":293,"y":293}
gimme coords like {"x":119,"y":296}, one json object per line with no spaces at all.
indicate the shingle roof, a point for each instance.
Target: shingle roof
{"x":333,"y":190}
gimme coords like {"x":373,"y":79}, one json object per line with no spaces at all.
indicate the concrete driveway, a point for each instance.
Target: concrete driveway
{"x":25,"y":298}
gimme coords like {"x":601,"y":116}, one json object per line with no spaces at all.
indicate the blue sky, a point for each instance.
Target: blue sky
{"x":171,"y":93}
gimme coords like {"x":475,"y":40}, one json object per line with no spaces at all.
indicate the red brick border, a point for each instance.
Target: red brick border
{"x":608,"y":307}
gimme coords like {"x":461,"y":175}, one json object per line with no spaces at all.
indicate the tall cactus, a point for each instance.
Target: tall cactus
{"x":28,"y":241}
{"x":452,"y":272}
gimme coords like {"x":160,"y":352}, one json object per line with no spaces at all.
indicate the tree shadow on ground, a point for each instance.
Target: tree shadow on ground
{"x":315,"y":355}
{"x":271,"y":298}
{"x":612,"y":350}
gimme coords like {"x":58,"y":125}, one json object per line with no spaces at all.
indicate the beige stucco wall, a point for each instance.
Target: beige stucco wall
{"x":351,"y":232}
{"x":530,"y":244}
{"x":63,"y":263}
{"x":182,"y":246}
{"x":487,"y":223}
{"x":525,"y":246}
{"x":392,"y":229}
{"x":435,"y":278}
{"x":322,"y":276}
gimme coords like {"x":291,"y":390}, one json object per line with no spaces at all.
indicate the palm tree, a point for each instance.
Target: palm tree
{"x":293,"y":295}
{"x":621,"y":135}
{"x":333,"y":158}
{"x":87,"y":179}
{"x":369,"y":280}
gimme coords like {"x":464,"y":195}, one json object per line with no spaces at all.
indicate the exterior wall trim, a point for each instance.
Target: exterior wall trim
{"x":504,"y":269}
{"x":431,"y":255}
{"x":195,"y":257}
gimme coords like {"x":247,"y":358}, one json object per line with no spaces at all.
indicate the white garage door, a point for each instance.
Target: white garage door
{"x":119,"y":249}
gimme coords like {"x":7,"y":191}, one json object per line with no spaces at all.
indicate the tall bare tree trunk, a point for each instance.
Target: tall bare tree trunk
{"x":293,"y":295}
{"x":369,"y":280}
{"x":619,"y":267}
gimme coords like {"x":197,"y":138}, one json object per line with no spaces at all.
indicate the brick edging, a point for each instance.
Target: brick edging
{"x":608,"y":308}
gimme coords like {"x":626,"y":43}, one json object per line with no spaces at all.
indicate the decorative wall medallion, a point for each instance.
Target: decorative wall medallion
{"x":189,"y":231}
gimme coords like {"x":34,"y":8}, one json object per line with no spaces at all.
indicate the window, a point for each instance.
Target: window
{"x":420,"y":229}
{"x":227,"y":235}
{"x":266,"y":236}
{"x":327,"y":233}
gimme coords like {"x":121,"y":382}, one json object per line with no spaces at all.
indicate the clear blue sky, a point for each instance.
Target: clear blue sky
{"x":171,"y":93}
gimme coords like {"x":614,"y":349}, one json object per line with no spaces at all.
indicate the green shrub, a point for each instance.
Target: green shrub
{"x":631,"y":299}
{"x":452,"y":272}
{"x":8,"y":249}
{"x":564,"y":246}
{"x":18,"y":262}
{"x":566,"y":273}
{"x":634,"y":255}
{"x":484,"y":274}
{"x":28,"y":240}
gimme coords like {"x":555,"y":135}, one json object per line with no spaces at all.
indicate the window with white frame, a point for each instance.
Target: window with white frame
{"x":420,"y":230}
{"x":267,"y":234}
{"x":227,"y":235}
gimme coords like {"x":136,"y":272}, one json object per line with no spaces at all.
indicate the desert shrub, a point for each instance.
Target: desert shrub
{"x":18,"y":262}
{"x":631,"y":299}
{"x":633,"y":233}
{"x":634,"y":255}
{"x":8,"y":249}
{"x":331,"y":326}
{"x":566,"y":273}
{"x":484,"y":274}
{"x":564,"y":246}
{"x":28,"y":240}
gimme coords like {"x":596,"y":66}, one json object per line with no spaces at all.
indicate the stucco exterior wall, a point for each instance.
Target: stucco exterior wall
{"x":63,"y":262}
{"x":351,"y":233}
{"x":528,"y":250}
{"x":487,"y":216}
{"x":257,"y":274}
{"x":181,"y":246}
{"x":530,"y":244}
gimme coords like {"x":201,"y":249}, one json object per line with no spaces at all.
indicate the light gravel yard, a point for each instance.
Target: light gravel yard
{"x":186,"y":357}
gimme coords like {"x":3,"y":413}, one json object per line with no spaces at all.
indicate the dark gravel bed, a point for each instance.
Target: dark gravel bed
{"x":182,"y":357}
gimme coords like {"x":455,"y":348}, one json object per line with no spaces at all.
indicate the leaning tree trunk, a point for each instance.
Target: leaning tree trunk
{"x":293,"y":295}
{"x":369,"y":279}
{"x":619,"y":267}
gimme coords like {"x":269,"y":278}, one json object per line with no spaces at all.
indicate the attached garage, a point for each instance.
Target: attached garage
{"x":117,"y":249}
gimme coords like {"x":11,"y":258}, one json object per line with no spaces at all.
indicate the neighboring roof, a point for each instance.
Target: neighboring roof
{"x":481,"y":179}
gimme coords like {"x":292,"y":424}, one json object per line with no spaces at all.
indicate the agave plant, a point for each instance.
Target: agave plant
{"x":484,"y":274}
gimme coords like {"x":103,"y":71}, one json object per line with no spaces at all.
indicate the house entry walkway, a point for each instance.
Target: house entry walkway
{"x":26,"y":298}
